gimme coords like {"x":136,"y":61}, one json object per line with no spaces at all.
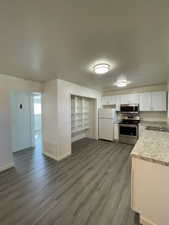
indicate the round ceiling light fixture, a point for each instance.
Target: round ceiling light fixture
{"x":121,"y":83}
{"x":101,"y":68}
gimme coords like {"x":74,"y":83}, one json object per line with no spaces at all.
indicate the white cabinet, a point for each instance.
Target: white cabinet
{"x":118,"y":102}
{"x":133,"y":99}
{"x":116,"y":131}
{"x":158,"y":101}
{"x":148,"y":101}
{"x":145,"y":101}
{"x":149,"y":191}
{"x":114,"y":99}
{"x":104,"y":100}
{"x":124,"y":99}
{"x":153,"y":101}
{"x":109,"y":100}
{"x":141,"y":130}
{"x":129,"y":99}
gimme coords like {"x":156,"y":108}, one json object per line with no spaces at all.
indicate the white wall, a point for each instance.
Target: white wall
{"x":49,"y":118}
{"x":7,"y":85}
{"x":21,"y":120}
{"x":57,"y":115}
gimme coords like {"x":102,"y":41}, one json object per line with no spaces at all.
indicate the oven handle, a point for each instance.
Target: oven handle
{"x":127,"y":125}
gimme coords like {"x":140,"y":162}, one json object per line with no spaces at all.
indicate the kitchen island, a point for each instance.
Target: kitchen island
{"x":150,"y":177}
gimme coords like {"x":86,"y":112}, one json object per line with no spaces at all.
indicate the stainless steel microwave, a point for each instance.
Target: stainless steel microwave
{"x":129,"y":108}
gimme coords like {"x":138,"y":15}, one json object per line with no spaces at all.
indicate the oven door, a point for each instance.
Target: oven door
{"x":128,"y":133}
{"x":129,"y":130}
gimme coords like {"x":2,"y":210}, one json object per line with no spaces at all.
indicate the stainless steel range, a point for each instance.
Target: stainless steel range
{"x":129,"y":126}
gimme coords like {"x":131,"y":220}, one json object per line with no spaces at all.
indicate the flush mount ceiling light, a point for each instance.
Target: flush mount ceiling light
{"x":101,"y":68}
{"x":121,"y":83}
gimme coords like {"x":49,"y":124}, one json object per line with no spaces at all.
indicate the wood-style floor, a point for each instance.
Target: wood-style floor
{"x":91,"y":187}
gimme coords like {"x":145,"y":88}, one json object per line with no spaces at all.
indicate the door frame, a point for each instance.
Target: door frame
{"x":32,"y":120}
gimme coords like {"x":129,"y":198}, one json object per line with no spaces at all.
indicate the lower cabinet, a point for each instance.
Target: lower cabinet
{"x":141,"y":129}
{"x":116,"y":131}
{"x":150,"y":191}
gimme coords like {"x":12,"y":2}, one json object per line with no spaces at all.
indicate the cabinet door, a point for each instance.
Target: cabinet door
{"x":104,"y":100}
{"x":133,"y":98}
{"x":109,"y":100}
{"x":114,"y":100}
{"x":158,"y":102}
{"x":118,"y":102}
{"x":141,"y":130}
{"x":124,"y":99}
{"x":116,"y":131}
{"x":145,"y":101}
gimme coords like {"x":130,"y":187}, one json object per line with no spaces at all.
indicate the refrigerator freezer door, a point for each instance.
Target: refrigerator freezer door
{"x":106,"y":129}
{"x":106,"y":113}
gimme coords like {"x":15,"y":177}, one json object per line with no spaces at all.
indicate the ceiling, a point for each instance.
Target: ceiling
{"x":47,"y":39}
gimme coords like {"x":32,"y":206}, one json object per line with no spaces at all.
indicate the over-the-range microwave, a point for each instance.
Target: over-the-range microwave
{"x":129,"y":108}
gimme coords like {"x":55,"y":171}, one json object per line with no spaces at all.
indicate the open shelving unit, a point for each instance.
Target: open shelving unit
{"x":80,"y":116}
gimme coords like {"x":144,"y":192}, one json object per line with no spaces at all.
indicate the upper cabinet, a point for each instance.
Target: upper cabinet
{"x":145,"y":101}
{"x":133,"y":99}
{"x":128,"y":99}
{"x":158,"y":101}
{"x":124,"y":99}
{"x":109,"y":100}
{"x":148,"y":101}
{"x":153,"y":101}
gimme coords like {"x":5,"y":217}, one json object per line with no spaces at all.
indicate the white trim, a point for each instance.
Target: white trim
{"x":78,"y":137}
{"x":6,"y":167}
{"x":50,"y":155}
{"x":64,"y":157}
{"x":145,"y":221}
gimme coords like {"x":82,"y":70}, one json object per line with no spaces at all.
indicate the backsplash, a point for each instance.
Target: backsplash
{"x":153,"y":116}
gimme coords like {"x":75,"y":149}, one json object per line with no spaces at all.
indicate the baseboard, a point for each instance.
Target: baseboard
{"x":64,"y":157}
{"x":78,"y":137}
{"x":6,"y":167}
{"x":50,"y":155}
{"x":145,"y":221}
{"x":29,"y":148}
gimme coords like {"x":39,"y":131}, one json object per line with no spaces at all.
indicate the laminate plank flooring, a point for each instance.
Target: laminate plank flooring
{"x":90,"y":187}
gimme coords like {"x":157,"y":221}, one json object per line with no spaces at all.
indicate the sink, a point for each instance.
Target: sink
{"x":162,"y":129}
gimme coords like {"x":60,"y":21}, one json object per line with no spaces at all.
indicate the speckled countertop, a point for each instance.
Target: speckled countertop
{"x":153,"y":146}
{"x":154,"y":123}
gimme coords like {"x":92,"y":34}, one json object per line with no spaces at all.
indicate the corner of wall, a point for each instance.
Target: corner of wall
{"x":7,"y":166}
{"x":168,"y":103}
{"x":50,"y":150}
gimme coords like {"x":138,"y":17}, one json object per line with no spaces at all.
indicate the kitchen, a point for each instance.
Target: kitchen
{"x":146,"y":113}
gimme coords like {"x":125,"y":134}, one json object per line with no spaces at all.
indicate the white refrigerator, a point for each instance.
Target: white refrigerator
{"x":107,"y":118}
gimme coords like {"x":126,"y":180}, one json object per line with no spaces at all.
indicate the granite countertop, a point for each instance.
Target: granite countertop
{"x":153,"y":146}
{"x":154,"y":123}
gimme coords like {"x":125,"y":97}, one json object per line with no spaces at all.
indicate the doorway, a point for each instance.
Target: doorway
{"x":37,"y":121}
